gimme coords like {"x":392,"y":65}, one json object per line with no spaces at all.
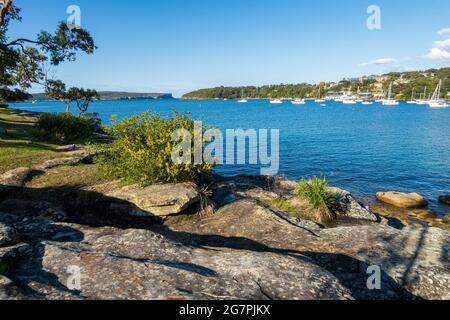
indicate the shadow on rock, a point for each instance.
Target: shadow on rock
{"x":93,"y":209}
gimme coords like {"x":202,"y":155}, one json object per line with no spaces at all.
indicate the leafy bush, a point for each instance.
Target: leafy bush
{"x":141,"y":151}
{"x":446,"y":219}
{"x":316,"y":192}
{"x":63,"y":127}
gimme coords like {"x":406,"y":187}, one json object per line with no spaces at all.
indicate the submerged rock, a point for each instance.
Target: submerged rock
{"x":16,"y":177}
{"x":402,"y":200}
{"x":445,"y":199}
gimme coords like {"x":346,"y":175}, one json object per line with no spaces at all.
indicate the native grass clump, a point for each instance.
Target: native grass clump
{"x":315,"y":191}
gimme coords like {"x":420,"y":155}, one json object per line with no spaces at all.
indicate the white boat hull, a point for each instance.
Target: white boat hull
{"x":276,"y":102}
{"x":438,"y":105}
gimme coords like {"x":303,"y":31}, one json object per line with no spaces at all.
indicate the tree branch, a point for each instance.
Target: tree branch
{"x":21,"y":40}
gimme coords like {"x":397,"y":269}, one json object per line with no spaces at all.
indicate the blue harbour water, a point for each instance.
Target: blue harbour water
{"x":361,"y":148}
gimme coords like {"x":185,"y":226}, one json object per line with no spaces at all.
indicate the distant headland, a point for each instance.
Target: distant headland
{"x":117,"y":95}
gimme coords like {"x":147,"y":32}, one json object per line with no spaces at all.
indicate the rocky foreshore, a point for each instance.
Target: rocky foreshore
{"x":131,"y":242}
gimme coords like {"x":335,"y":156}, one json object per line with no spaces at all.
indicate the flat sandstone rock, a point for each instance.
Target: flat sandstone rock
{"x":16,"y":177}
{"x":402,"y":200}
{"x":159,"y":200}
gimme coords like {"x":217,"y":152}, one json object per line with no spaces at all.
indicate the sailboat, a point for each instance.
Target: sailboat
{"x":389,"y":101}
{"x":319,"y":98}
{"x":412,"y":101}
{"x":242,"y":98}
{"x":436,"y":101}
{"x":422,"y":100}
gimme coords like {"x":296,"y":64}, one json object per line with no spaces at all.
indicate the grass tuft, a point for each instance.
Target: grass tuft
{"x":316,"y":191}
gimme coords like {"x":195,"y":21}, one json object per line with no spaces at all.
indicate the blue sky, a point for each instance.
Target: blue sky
{"x":180,"y":45}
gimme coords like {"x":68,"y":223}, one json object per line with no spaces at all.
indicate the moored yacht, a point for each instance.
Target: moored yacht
{"x":319,"y":98}
{"x":348,"y":101}
{"x":389,"y":101}
{"x":242,"y":100}
{"x":298,"y":101}
{"x":276,"y":101}
{"x":436,"y":101}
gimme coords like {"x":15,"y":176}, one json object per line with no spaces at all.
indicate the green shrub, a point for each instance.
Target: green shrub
{"x":316,"y":192}
{"x":446,"y":219}
{"x":141,"y":151}
{"x":63,"y":128}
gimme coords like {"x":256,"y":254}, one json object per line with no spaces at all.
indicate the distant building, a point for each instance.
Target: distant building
{"x":334,"y":94}
{"x":365,"y":95}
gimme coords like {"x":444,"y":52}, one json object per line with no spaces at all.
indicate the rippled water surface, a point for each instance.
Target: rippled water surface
{"x":361,"y":148}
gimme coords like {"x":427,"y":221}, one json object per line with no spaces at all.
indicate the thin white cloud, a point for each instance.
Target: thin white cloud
{"x":444,"y":44}
{"x":440,"y":49}
{"x":444,"y":32}
{"x":382,"y":61}
{"x":438,"y":54}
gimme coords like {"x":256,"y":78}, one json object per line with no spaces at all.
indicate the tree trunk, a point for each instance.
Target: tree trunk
{"x":67,"y":107}
{"x":5,"y":6}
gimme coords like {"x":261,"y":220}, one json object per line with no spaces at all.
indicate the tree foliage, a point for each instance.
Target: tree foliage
{"x":22,"y":60}
{"x":56,"y":89}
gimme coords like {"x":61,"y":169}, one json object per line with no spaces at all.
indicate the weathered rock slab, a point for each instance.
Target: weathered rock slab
{"x":158,"y":200}
{"x":8,"y":235}
{"x":140,"y":264}
{"x":16,"y":177}
{"x":402,"y":200}
{"x":348,"y":206}
{"x":70,"y":148}
{"x":81,"y":157}
{"x":9,"y":256}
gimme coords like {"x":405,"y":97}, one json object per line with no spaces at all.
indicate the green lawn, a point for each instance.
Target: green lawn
{"x":18,"y":148}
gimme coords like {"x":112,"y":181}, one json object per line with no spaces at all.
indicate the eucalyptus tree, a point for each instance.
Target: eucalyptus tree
{"x":22,"y":59}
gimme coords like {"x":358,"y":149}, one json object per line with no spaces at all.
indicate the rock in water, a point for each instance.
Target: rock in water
{"x":159,"y":200}
{"x":348,"y":206}
{"x":16,"y":177}
{"x":402,"y":200}
{"x":445,"y":199}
